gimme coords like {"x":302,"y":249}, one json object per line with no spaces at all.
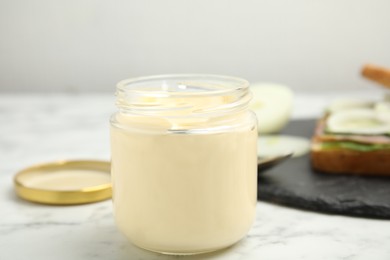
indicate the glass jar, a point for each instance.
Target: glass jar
{"x":184,"y":162}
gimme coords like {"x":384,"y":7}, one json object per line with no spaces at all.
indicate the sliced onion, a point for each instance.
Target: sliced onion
{"x":382,"y":110}
{"x":275,"y":145}
{"x":343,"y":104}
{"x":272,"y":104}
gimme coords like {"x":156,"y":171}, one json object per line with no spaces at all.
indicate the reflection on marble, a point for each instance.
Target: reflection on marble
{"x":36,"y":129}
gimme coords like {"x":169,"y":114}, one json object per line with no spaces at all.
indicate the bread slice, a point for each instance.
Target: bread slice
{"x":349,"y":154}
{"x":344,"y":161}
{"x":378,"y":74}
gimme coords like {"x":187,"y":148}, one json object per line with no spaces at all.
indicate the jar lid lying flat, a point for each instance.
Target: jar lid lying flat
{"x":65,"y":182}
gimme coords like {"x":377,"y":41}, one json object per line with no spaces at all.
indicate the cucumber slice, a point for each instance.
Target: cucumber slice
{"x":354,"y":146}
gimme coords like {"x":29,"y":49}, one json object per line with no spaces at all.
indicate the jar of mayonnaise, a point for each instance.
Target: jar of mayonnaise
{"x":184,"y":162}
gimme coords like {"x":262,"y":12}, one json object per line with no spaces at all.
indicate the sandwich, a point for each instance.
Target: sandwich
{"x":353,"y":136}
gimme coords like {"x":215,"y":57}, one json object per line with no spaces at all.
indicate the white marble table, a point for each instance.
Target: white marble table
{"x":41,"y":128}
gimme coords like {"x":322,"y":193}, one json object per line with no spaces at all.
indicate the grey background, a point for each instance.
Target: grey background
{"x":83,"y":45}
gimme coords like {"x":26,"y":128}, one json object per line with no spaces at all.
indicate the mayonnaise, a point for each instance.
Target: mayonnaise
{"x":185,"y":180}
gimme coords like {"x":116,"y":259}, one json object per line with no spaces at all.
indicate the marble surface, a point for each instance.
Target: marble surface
{"x":48,"y":127}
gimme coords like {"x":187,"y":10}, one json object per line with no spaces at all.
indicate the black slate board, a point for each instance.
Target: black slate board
{"x":293,"y":183}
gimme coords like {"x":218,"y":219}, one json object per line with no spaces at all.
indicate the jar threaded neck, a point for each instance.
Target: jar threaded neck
{"x":183,"y":95}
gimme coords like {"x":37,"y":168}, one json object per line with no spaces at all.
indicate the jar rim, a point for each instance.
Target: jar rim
{"x":183,"y":96}
{"x":229,"y":83}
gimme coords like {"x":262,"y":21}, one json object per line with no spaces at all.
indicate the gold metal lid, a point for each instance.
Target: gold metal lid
{"x":65,"y":182}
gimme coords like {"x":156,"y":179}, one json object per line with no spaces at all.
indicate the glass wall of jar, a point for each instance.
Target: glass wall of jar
{"x":184,"y":163}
